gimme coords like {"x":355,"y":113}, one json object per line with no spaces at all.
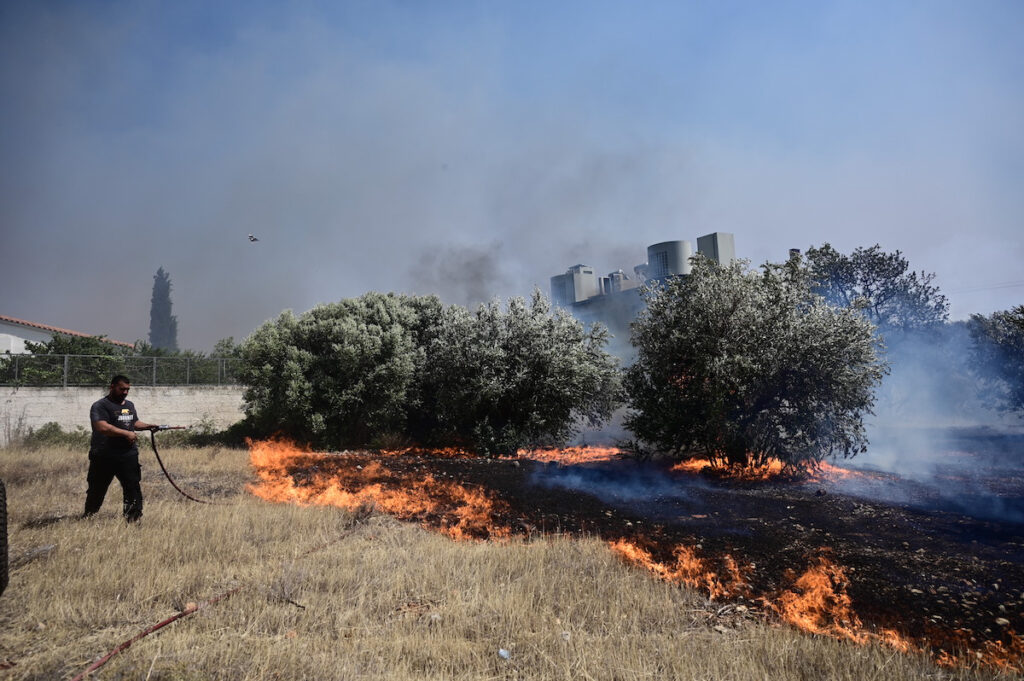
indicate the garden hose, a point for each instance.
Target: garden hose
{"x":152,"y":439}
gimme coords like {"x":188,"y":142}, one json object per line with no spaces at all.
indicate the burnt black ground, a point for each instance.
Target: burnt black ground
{"x":942,"y":578}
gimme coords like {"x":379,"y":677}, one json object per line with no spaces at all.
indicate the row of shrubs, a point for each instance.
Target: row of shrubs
{"x":734,"y":364}
{"x":393,"y":370}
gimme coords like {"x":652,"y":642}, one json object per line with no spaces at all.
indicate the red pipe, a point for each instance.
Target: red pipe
{"x":159,"y":625}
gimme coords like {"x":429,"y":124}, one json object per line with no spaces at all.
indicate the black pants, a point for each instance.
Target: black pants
{"x":127,"y":471}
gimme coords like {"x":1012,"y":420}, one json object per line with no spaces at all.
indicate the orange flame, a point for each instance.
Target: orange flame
{"x":572,"y":455}
{"x":819,"y":603}
{"x":826,"y":472}
{"x":690,"y":569}
{"x":434,"y":453}
{"x":461,"y":513}
{"x":817,"y":600}
{"x":773,"y":468}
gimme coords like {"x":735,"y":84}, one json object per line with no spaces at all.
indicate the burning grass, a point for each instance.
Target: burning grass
{"x":330,"y":593}
{"x":771,"y":469}
{"x":813,"y":598}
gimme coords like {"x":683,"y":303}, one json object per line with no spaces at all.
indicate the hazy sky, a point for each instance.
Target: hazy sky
{"x":474,"y":149}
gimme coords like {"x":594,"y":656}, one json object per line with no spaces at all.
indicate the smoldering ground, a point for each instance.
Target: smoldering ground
{"x":936,"y":441}
{"x":938,"y":430}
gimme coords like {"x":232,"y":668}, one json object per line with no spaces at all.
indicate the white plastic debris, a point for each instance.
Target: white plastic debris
{"x":503,"y":654}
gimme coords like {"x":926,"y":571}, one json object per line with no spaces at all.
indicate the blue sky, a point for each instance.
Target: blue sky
{"x":476,"y":149}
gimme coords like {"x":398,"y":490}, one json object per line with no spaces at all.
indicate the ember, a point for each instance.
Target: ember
{"x":572,"y":455}
{"x":772,"y":469}
{"x":829,"y":564}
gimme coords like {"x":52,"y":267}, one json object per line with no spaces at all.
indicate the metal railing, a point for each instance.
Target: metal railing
{"x":93,"y":370}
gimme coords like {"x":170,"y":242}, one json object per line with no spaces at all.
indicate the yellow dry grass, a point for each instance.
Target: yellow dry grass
{"x":328,"y":594}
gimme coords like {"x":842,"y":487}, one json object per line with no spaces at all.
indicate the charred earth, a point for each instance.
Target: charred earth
{"x":856,"y":554}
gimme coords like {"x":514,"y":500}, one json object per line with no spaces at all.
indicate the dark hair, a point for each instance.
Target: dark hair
{"x":120,"y":379}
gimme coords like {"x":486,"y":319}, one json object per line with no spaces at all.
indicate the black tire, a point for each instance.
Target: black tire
{"x":3,"y":537}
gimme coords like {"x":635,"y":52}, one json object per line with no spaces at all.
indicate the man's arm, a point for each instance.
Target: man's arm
{"x":111,"y":430}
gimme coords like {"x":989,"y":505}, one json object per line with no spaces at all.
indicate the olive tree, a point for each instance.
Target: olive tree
{"x":339,"y":374}
{"x":881,"y":285}
{"x":741,"y":366}
{"x":997,"y":356}
{"x":404,"y":368}
{"x":502,"y":379}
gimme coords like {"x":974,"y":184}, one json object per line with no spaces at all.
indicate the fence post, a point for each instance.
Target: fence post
{"x":16,"y":360}
{"x":220,"y":370}
{"x":188,"y":370}
{"x":154,"y":372}
{"x":67,"y":366}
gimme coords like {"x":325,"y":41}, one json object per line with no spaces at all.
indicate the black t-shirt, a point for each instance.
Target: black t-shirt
{"x":121,"y":416}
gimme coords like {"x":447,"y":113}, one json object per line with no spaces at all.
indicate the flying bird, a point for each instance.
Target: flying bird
{"x":252,"y":238}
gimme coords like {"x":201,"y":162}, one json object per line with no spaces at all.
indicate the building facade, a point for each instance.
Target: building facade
{"x":614,"y":299}
{"x":14,"y":332}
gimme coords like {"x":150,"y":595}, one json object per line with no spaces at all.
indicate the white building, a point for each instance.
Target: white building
{"x":14,"y":332}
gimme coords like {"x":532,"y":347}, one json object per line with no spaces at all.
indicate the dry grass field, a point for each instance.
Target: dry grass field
{"x":324,"y":593}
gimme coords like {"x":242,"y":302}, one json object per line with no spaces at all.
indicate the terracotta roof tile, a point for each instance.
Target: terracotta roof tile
{"x":57,"y":329}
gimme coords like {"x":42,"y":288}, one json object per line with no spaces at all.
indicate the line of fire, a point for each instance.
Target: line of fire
{"x":816,"y":553}
{"x":861,"y":554}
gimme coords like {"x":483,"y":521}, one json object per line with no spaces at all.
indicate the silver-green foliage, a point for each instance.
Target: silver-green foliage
{"x":340,"y":373}
{"x":385,"y":366}
{"x":505,"y":379}
{"x":741,"y":366}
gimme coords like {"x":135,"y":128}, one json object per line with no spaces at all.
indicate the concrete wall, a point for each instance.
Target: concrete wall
{"x":24,"y":408}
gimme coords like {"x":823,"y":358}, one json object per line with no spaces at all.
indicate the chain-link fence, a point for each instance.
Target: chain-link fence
{"x":90,"y":370}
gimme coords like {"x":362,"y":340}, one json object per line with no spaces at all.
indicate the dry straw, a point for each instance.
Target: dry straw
{"x":379,"y":600}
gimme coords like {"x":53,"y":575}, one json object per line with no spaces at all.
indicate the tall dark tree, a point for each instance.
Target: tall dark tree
{"x":997,"y":357}
{"x":881,"y":285}
{"x":163,"y":326}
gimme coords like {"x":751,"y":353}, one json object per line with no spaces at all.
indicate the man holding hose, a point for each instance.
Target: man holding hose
{"x":114,"y":452}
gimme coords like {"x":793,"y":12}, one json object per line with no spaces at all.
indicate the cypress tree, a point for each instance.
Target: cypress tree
{"x":163,"y":326}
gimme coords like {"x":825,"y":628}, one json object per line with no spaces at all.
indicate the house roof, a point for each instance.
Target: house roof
{"x":57,"y":329}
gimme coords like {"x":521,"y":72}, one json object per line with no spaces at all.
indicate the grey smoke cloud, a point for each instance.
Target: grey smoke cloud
{"x":464,"y":275}
{"x":370,"y":156}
